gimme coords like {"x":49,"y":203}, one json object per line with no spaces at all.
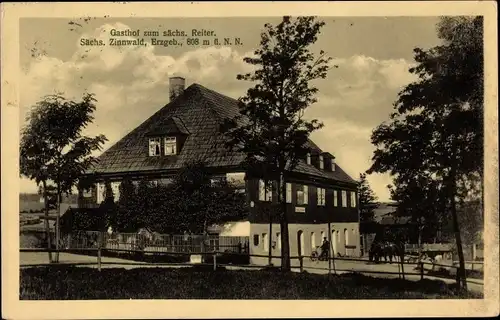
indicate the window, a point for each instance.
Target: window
{"x":346,"y":237}
{"x":308,"y":158}
{"x":100,"y":192}
{"x":265,"y":242}
{"x":333,"y":164}
{"x":265,"y":191}
{"x":321,"y":164}
{"x":165,"y":181}
{"x":256,"y":240}
{"x":322,"y":236}
{"x":344,"y":198}
{"x":154,"y":147}
{"x":313,"y":241}
{"x":335,"y":198}
{"x":288,"y":193}
{"x":217,"y":181}
{"x":170,"y":146}
{"x":86,"y":193}
{"x":353,"y":199}
{"x":115,"y":186}
{"x":321,"y":196}
{"x":302,"y":195}
{"x":278,"y":239}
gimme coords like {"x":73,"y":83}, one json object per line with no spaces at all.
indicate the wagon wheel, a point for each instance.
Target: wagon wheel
{"x":314,"y":255}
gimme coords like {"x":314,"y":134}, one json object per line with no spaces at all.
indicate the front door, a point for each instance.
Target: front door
{"x":300,"y":243}
{"x":334,"y":241}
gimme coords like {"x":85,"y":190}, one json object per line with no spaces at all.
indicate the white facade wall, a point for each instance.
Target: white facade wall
{"x":262,"y":230}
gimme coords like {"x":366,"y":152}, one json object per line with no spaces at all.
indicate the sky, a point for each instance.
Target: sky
{"x":373,"y":55}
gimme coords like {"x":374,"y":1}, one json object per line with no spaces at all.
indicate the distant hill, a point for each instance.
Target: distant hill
{"x":384,"y":210}
{"x":32,"y":202}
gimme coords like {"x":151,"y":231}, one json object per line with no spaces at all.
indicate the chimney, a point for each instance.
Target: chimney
{"x":176,"y":87}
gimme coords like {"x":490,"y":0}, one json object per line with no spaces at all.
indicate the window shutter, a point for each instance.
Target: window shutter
{"x":288,"y":193}
{"x":100,"y":192}
{"x":269,"y":191}
{"x":335,"y":198}
{"x":116,"y":190}
{"x":306,"y":194}
{"x":262,"y":190}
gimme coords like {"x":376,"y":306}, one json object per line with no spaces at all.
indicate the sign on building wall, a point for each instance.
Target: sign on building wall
{"x":300,"y":209}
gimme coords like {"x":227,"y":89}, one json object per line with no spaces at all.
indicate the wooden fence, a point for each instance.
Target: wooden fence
{"x":154,"y":243}
{"x":405,"y":268}
{"x":210,"y":248}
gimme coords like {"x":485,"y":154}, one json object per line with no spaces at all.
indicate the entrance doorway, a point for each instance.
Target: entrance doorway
{"x":300,"y":243}
{"x":334,"y":241}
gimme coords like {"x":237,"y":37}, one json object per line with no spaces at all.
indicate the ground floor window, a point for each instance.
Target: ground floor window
{"x":256,"y":240}
{"x":313,"y":241}
{"x":265,"y":242}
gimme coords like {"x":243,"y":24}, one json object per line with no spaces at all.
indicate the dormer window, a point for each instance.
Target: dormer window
{"x":170,"y":146}
{"x":154,"y":147}
{"x":308,"y":158}
{"x":333,"y":164}
{"x":321,"y":164}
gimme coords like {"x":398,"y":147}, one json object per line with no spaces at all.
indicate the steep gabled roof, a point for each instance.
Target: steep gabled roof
{"x":198,"y":113}
{"x":170,"y":126}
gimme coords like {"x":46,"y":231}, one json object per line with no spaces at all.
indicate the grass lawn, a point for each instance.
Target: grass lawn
{"x":70,"y":283}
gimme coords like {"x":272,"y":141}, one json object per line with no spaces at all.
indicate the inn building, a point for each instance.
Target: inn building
{"x":321,"y":197}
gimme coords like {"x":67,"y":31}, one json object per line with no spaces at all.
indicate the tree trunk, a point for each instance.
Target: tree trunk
{"x":270,"y":249}
{"x":46,"y":215}
{"x":285,"y":237}
{"x":461,"y":276}
{"x":57,"y":227}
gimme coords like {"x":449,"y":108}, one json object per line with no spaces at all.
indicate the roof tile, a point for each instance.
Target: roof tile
{"x":197,"y":112}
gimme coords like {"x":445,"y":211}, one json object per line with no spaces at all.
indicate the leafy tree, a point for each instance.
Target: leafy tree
{"x":192,"y":202}
{"x":53,"y":149}
{"x":367,"y":200}
{"x":435,"y":133}
{"x":271,"y":129}
{"x":127,"y":208}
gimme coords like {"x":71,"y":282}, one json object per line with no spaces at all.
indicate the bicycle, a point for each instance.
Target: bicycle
{"x":314,"y":255}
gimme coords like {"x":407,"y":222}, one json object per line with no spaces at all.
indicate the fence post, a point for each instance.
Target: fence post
{"x":301,"y":262}
{"x":421,"y":270}
{"x":215,"y":261}
{"x":99,"y":252}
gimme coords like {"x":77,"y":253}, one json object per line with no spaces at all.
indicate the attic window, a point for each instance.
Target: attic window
{"x":154,"y":147}
{"x":321,"y":163}
{"x":308,"y":158}
{"x":170,"y":146}
{"x":333,"y":164}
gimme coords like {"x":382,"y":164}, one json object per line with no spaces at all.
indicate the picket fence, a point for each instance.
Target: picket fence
{"x":154,"y":242}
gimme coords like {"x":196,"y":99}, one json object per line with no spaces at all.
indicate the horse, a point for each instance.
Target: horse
{"x":387,"y":250}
